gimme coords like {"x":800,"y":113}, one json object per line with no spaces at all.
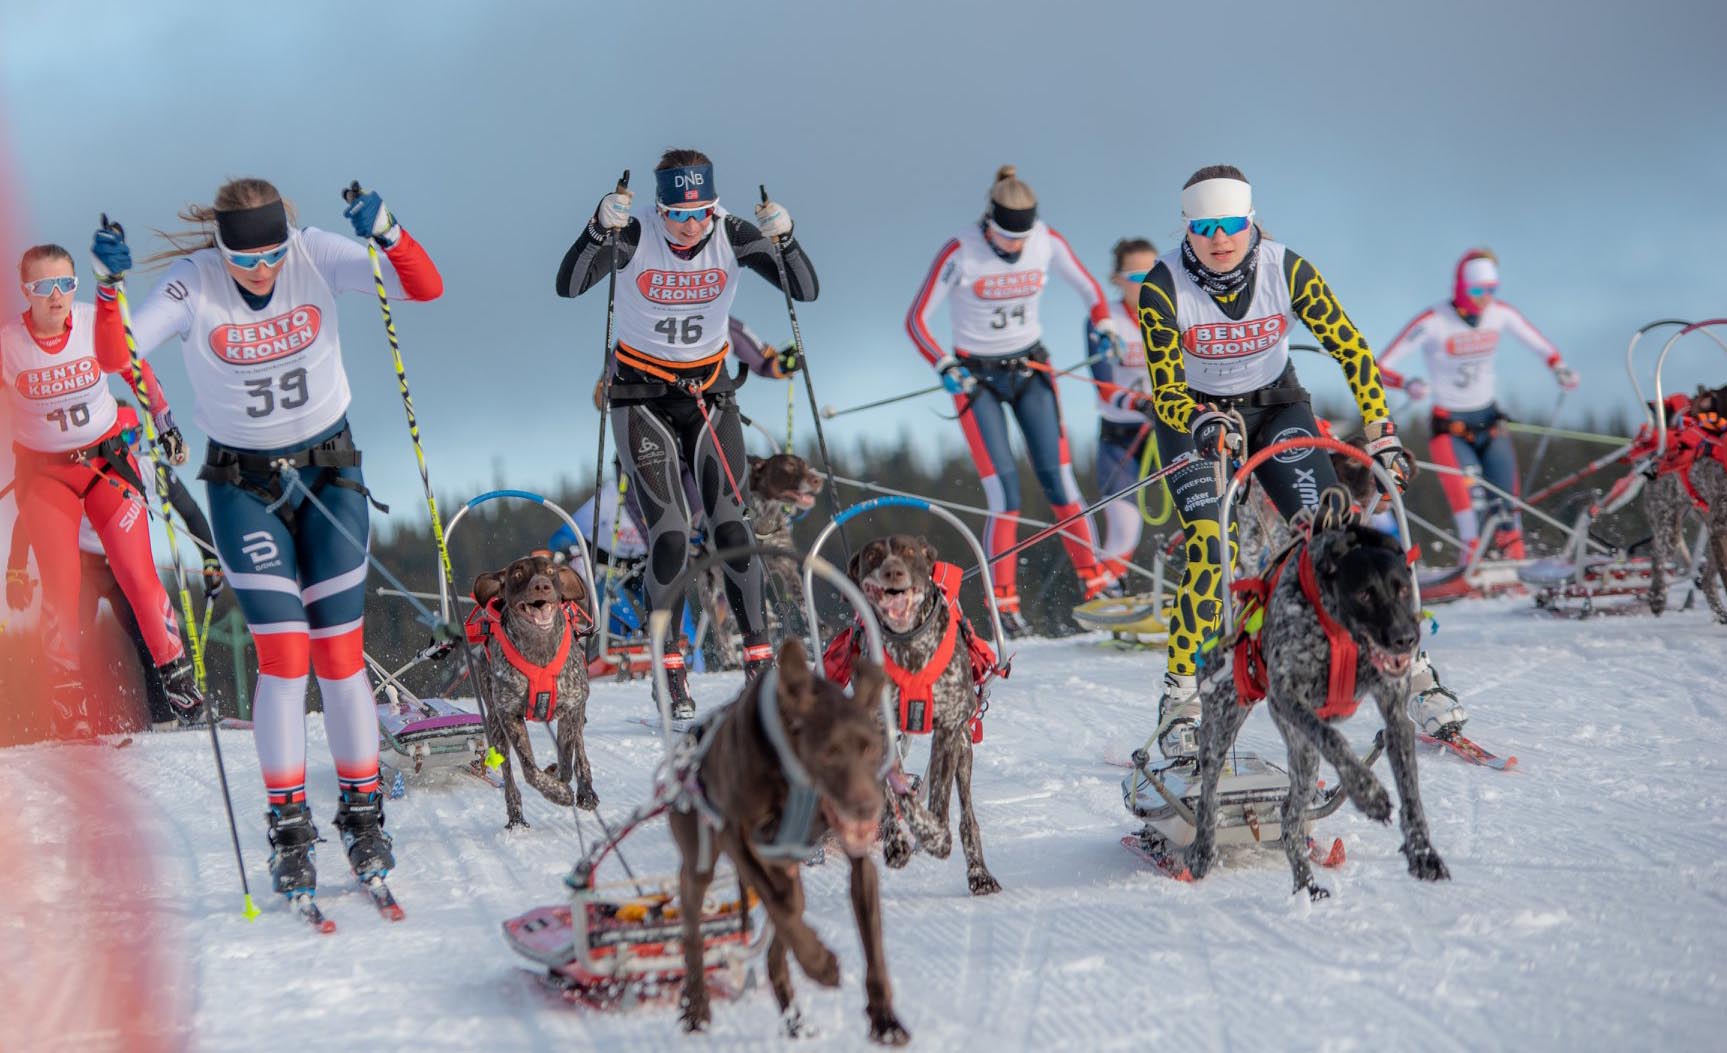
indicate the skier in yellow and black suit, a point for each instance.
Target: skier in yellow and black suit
{"x":1216,"y":316}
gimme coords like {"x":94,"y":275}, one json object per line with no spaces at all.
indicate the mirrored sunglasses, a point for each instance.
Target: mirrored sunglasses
{"x":684,"y":215}
{"x":248,"y":260}
{"x":1479,"y":292}
{"x":1231,"y":225}
{"x":49,"y":286}
{"x":1133,"y":277}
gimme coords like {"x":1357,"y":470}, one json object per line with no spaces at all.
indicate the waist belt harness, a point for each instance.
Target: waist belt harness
{"x":260,"y":474}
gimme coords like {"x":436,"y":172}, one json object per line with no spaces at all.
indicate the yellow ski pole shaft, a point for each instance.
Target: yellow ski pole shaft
{"x":251,"y":909}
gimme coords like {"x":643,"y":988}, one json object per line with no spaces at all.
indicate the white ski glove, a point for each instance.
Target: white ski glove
{"x":1415,"y":388}
{"x":1566,"y":376}
{"x":614,"y":210}
{"x":1385,"y":447}
{"x":774,"y":220}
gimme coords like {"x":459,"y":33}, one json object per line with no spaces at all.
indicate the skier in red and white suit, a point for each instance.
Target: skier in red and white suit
{"x":1459,"y":340}
{"x":73,"y":463}
{"x":995,"y":272}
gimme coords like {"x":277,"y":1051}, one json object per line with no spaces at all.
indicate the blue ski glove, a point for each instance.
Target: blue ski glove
{"x":372,"y":219}
{"x":110,"y":255}
{"x":954,"y":377}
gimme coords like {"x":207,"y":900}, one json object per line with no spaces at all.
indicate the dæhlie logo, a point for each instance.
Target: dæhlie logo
{"x":1235,"y":339}
{"x":61,"y":378}
{"x":1014,"y":285}
{"x":266,"y":341}
{"x":682,"y":287}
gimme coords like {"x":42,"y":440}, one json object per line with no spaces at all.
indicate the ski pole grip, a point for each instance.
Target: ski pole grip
{"x":351,"y":192}
{"x":763,"y":187}
{"x":624,"y":181}
{"x":108,"y":224}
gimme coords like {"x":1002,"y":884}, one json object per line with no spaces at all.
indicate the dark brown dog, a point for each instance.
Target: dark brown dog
{"x":896,"y":574}
{"x":533,"y":591}
{"x":837,"y":739}
{"x":781,"y":487}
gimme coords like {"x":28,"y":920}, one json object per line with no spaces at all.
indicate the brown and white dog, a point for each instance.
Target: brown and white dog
{"x":1678,"y":487}
{"x":779,"y":488}
{"x":897,"y":576}
{"x":835,"y":739}
{"x":537,"y":670}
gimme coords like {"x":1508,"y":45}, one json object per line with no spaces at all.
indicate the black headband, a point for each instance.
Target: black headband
{"x":253,"y":228}
{"x":1016,"y":220}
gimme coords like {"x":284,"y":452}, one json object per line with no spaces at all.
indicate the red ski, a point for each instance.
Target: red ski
{"x":384,"y":900}
{"x":1329,"y":860}
{"x":307,"y":907}
{"x":1470,"y":751}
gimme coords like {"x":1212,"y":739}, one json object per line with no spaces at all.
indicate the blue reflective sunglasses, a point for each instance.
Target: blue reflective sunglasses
{"x":46,"y":287}
{"x":248,"y":260}
{"x":1478,"y":292}
{"x":1231,"y":225}
{"x":1136,"y":277}
{"x":684,"y":215}
{"x":129,"y":436}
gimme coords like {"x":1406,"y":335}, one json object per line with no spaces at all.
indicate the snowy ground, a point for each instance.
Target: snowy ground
{"x":1587,"y":908}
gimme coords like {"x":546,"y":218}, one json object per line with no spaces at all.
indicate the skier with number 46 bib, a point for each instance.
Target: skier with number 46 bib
{"x":252,"y":298}
{"x":671,"y":397}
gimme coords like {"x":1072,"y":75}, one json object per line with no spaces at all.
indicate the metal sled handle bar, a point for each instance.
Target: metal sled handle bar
{"x":586,"y":569}
{"x":896,"y":501}
{"x":773,"y":443}
{"x":1386,"y":481}
{"x":1630,"y":370}
{"x":1661,"y":417}
{"x":659,"y":621}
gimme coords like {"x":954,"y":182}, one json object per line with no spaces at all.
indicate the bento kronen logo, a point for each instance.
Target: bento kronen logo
{"x":1235,"y":339}
{"x":682,"y":287}
{"x":61,"y":378}
{"x":1013,"y":285}
{"x":266,"y":341}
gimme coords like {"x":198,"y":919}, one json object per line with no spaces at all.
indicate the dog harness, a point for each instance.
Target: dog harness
{"x":916,"y":687}
{"x":1251,"y":674}
{"x":792,"y":839}
{"x":485,"y":624}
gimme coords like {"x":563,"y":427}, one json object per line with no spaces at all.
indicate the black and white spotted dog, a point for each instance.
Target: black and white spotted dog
{"x":1666,"y":502}
{"x":896,"y":574}
{"x":1364,"y":584}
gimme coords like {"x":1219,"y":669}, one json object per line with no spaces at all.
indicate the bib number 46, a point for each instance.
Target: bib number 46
{"x":292,"y":385}
{"x":689,"y":332}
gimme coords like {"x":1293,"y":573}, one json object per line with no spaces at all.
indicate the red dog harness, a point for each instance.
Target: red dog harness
{"x":917,"y":686}
{"x":485,"y":624}
{"x":1251,"y":674}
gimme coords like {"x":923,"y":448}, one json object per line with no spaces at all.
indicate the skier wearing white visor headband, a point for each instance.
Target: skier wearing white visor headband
{"x":1216,"y":316}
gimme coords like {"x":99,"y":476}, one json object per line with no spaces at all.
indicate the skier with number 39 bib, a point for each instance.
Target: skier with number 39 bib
{"x":252,"y":298}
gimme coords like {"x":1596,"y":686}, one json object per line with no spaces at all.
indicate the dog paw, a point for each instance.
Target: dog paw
{"x":939,"y":843}
{"x":1315,"y":893}
{"x":982,"y":883}
{"x":587,"y":800}
{"x":560,"y":794}
{"x":885,"y":1028}
{"x":696,"y":1014}
{"x":516,"y":822}
{"x":897,"y":852}
{"x":823,"y":968}
{"x":1370,"y":797}
{"x":1200,"y":858}
{"x":1426,"y":865}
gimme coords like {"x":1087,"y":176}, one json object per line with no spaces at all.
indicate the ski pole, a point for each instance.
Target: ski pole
{"x":1541,"y":448}
{"x":791,"y":414}
{"x":1593,"y":466}
{"x":142,"y":389}
{"x":1054,"y":528}
{"x":4,"y":490}
{"x":606,"y":375}
{"x":1564,"y":433}
{"x":809,"y":385}
{"x":444,"y":629}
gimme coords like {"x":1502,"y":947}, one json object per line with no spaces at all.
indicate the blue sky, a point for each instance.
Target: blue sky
{"x":1583,"y":141}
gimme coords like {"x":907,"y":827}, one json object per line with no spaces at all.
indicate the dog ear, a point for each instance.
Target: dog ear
{"x":928,"y":550}
{"x":755,"y":463}
{"x":854,"y":566}
{"x":571,"y":588}
{"x":868,"y":680}
{"x":795,"y":679}
{"x":488,"y":587}
{"x":1327,"y":551}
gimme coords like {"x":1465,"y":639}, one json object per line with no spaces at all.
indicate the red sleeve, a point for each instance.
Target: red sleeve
{"x":1392,"y":378}
{"x":110,"y":335}
{"x":928,"y":295}
{"x":1081,"y":278}
{"x":418,"y":274}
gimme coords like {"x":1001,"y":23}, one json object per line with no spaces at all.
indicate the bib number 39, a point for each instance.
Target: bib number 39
{"x":689,"y":332}
{"x":292,"y":386}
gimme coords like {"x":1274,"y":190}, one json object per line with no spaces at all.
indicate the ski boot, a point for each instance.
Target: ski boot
{"x":292,"y":836}
{"x":179,"y":682}
{"x":360,"y":818}
{"x":1179,"y":708}
{"x":758,"y":656}
{"x":682,"y":705}
{"x":1435,"y":710}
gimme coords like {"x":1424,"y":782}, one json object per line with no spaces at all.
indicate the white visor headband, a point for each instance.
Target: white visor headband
{"x":1216,"y":198}
{"x":1481,"y":271}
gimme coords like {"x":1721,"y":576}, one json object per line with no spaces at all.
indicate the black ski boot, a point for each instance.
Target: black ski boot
{"x":292,"y":836}
{"x":180,"y":682}
{"x":360,"y":818}
{"x":683,"y":706}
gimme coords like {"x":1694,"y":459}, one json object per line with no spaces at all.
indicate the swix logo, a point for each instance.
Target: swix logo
{"x":61,"y":378}
{"x":1235,"y":339}
{"x":1307,"y":486}
{"x":1471,"y":342}
{"x":1014,"y":285}
{"x":133,"y":510}
{"x":266,"y":341}
{"x":260,"y":548}
{"x":1291,"y":456}
{"x":682,"y":287}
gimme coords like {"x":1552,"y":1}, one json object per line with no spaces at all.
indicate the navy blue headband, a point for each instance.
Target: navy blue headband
{"x":675,"y":187}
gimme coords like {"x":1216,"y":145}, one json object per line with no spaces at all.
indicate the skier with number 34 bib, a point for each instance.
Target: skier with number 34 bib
{"x":252,"y":298}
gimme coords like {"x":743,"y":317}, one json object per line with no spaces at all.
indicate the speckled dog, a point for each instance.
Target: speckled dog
{"x":532,"y":621}
{"x":1709,"y":479}
{"x":896,"y":574}
{"x":782,"y":487}
{"x":1364,"y":584}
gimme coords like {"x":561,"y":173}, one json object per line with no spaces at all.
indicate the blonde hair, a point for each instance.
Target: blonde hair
{"x":1009,"y":191}
{"x":231,"y":196}
{"x":43,"y":252}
